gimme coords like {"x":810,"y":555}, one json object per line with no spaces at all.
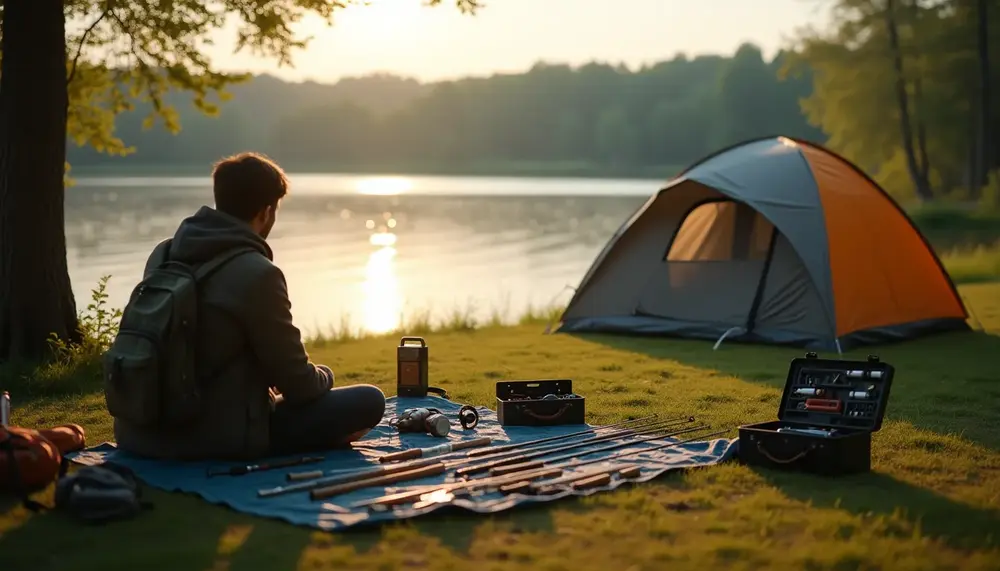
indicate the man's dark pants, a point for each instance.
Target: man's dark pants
{"x":332,"y":421}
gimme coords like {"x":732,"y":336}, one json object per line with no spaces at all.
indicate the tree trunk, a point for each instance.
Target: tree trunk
{"x":36,"y":298}
{"x":923,"y":160}
{"x":985,"y":142}
{"x":902,"y":99}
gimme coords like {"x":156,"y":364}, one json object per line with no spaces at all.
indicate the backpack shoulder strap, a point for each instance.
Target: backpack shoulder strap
{"x":209,"y":267}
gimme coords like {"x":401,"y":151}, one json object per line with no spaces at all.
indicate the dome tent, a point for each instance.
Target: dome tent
{"x":774,"y":240}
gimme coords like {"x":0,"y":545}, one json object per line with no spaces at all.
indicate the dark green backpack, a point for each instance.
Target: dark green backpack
{"x":150,"y":376}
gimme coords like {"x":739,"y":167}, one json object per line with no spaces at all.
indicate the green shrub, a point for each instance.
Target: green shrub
{"x":74,"y":367}
{"x":989,"y":199}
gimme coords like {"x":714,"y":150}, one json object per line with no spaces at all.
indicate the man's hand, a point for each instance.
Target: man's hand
{"x":328,"y":371}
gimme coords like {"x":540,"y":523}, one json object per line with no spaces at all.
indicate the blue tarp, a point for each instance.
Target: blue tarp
{"x":335,"y":514}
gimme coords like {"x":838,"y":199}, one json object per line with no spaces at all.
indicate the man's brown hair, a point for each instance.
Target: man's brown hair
{"x":246,"y":183}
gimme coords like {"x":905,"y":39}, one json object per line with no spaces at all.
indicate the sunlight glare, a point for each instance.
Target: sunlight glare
{"x":384,"y":185}
{"x":382,"y":299}
{"x":382,"y":239}
{"x":383,"y":20}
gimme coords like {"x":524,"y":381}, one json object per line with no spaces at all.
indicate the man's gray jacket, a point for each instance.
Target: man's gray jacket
{"x":247,"y":346}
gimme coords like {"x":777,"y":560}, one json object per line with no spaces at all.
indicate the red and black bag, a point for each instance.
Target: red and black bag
{"x":31,"y":460}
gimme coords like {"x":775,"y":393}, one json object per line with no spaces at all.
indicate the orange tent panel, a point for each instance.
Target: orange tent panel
{"x":883,"y":272}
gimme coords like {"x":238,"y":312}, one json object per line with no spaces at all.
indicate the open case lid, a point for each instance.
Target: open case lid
{"x":507,"y":390}
{"x":834,"y":393}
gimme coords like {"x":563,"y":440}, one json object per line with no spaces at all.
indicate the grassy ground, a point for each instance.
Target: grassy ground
{"x":932,"y":502}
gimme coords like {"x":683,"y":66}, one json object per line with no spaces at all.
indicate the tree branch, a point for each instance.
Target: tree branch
{"x":83,"y":42}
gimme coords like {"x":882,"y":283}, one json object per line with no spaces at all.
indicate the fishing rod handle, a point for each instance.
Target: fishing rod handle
{"x":529,"y":486}
{"x":624,"y":444}
{"x":506,"y":447}
{"x":537,"y":452}
{"x":330,"y":491}
{"x":531,"y":454}
{"x":319,"y":481}
{"x":592,"y":482}
{"x":300,"y":476}
{"x":434,"y":450}
{"x":504,"y":470}
{"x":518,"y":467}
{"x":407,"y":496}
{"x":480,"y":468}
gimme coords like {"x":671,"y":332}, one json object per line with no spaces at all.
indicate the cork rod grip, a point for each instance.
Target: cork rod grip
{"x":631,"y":471}
{"x":434,"y":450}
{"x":492,"y":450}
{"x":330,"y":491}
{"x":401,"y":455}
{"x":474,"y":443}
{"x":300,"y":476}
{"x":510,"y":469}
{"x":592,"y":482}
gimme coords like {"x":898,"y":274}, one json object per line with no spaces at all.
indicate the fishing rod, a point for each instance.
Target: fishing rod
{"x":627,"y":471}
{"x":412,"y":468}
{"x":540,"y":464}
{"x":636,"y":421}
{"x":607,"y":459}
{"x":329,"y":490}
{"x":405,"y":496}
{"x":420,"y":452}
{"x":510,"y":468}
{"x":592,"y":479}
{"x":480,"y":468}
{"x":441,"y":455}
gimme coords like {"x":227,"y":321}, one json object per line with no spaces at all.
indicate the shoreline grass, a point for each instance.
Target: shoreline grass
{"x":422,"y":322}
{"x":931,"y":502}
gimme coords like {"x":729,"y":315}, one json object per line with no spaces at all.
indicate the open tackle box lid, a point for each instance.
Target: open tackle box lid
{"x":834,"y":393}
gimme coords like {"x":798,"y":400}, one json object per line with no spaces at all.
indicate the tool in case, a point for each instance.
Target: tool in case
{"x":546,"y":402}
{"x":828,"y":412}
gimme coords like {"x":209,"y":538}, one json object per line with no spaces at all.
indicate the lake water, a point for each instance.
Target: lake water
{"x":375,"y":251}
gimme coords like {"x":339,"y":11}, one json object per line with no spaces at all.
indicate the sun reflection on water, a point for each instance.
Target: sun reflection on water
{"x":383,"y":185}
{"x":382,"y":298}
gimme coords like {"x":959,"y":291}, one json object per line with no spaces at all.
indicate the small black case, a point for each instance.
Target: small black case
{"x":862,"y":389}
{"x":521,"y":403}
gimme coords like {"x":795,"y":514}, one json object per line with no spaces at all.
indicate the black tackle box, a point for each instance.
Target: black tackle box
{"x":828,"y":412}
{"x":545,"y":402}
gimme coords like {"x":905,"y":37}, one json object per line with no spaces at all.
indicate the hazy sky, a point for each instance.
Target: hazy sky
{"x":406,"y":38}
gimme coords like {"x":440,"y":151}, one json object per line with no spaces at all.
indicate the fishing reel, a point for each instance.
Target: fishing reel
{"x":423,"y":420}
{"x":432,"y":421}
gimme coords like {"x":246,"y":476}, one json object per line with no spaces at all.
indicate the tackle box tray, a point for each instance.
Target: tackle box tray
{"x":829,"y":409}
{"x":546,"y":402}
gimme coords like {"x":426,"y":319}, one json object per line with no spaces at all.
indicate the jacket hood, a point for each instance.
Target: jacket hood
{"x":208,"y":233}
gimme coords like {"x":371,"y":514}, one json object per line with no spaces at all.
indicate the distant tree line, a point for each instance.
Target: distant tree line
{"x":606,"y":116}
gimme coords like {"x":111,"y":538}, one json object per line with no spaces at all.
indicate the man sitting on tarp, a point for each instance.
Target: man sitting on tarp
{"x":207,"y":362}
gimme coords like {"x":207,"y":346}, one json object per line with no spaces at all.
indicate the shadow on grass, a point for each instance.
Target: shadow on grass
{"x":165,"y":538}
{"x":183,"y":532}
{"x":959,"y":525}
{"x":945,"y":383}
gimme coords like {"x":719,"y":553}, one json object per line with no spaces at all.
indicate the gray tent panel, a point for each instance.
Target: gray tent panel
{"x":790,"y":305}
{"x":774,"y":178}
{"x":737,"y":240}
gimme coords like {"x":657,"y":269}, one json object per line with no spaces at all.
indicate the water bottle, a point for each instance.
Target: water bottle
{"x":5,"y":409}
